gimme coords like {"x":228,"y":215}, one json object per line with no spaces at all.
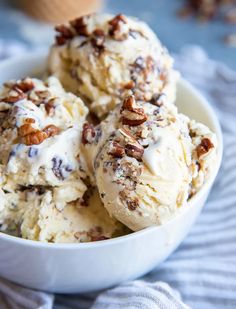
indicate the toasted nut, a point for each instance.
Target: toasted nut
{"x":116,"y":30}
{"x":134,"y":150}
{"x":129,"y":85}
{"x":26,"y":129}
{"x":64,"y":31}
{"x":88,"y":133}
{"x":34,"y":138}
{"x":49,"y":106}
{"x":204,"y":147}
{"x":131,"y":114}
{"x":64,"y":35}
{"x":51,"y":130}
{"x":132,"y":204}
{"x":80,"y":25}
{"x":116,"y":150}
{"x":98,"y":38}
{"x":24,"y":85}
{"x":29,"y":120}
{"x":128,"y":135}
{"x":15,"y":95}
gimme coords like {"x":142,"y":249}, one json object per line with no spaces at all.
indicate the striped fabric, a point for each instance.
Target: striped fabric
{"x":203,"y":268}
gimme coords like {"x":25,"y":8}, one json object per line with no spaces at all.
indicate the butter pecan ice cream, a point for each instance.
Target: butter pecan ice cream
{"x":31,"y":214}
{"x":152,"y":163}
{"x":40,"y":139}
{"x":100,"y":57}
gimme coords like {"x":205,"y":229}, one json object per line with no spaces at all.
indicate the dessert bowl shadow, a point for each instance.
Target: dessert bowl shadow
{"x":86,"y":267}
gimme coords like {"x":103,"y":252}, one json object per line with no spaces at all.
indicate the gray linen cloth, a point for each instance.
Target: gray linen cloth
{"x":203,"y":268}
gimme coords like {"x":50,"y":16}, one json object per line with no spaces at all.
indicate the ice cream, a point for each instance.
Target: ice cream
{"x":41,"y":130}
{"x":100,"y":57}
{"x":43,"y":187}
{"x":150,"y":163}
{"x":34,"y":216}
{"x":65,"y":179}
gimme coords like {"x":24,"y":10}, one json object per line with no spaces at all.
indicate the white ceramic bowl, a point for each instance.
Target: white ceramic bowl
{"x":70,"y":268}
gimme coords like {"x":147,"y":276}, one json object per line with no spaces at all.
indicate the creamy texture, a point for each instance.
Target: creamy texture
{"x":104,"y":56}
{"x":34,"y":216}
{"x":151,"y":188}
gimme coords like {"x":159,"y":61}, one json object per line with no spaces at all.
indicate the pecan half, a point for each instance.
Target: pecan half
{"x":26,"y":129}
{"x":131,"y":114}
{"x":116,"y":28}
{"x":204,"y":147}
{"x":88,"y":133}
{"x":80,"y":25}
{"x":35,"y":138}
{"x":116,"y":150}
{"x":51,"y":130}
{"x":134,"y":150}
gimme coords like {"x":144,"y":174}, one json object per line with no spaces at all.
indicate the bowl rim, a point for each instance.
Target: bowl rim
{"x":113,"y":241}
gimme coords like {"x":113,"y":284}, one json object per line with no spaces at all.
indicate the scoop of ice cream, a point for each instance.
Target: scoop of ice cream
{"x":34,"y":216}
{"x":40,"y":138}
{"x":100,"y":57}
{"x":147,"y":164}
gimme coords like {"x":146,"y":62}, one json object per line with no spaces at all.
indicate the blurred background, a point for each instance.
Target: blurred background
{"x":28,"y":25}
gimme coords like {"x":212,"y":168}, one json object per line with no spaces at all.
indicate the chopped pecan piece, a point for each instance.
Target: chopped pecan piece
{"x":29,"y":120}
{"x":204,"y":147}
{"x":116,"y":28}
{"x":51,"y":130}
{"x":131,"y":114}
{"x":49,"y":107}
{"x":24,"y":85}
{"x":98,"y":39}
{"x":15,"y":95}
{"x":128,"y":135}
{"x":88,"y":133}
{"x":80,"y":25}
{"x":132,"y":203}
{"x":116,"y":150}
{"x":64,"y":35}
{"x":35,"y":138}
{"x":129,"y":85}
{"x":134,"y":150}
